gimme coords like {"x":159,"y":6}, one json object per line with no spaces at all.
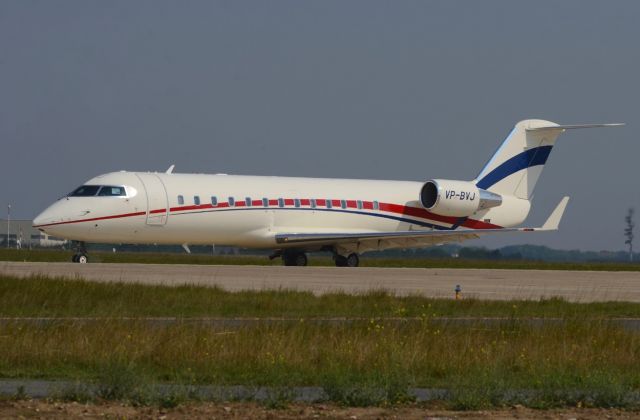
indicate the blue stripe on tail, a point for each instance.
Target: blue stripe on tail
{"x":532,"y":157}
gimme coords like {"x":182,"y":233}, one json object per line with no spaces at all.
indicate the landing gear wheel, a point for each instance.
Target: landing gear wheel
{"x":301,"y":260}
{"x":353,"y":260}
{"x":80,"y":258}
{"x":340,"y":261}
{"x":81,"y":253}
{"x":298,"y":259}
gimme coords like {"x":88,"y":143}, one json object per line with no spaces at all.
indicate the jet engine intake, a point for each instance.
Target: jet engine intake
{"x":456,"y":198}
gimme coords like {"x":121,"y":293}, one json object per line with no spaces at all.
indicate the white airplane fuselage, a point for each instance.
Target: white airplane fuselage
{"x":214,"y":209}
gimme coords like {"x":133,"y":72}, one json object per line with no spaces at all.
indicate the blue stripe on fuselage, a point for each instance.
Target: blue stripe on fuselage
{"x":524,"y":160}
{"x":385,"y":216}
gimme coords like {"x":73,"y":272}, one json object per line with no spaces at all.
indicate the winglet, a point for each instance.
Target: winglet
{"x":170,"y":170}
{"x":553,"y":221}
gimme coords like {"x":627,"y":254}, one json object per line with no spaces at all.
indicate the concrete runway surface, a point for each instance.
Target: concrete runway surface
{"x":581,"y":286}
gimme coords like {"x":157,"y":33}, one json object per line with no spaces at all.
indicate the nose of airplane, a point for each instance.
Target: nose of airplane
{"x":52,"y":214}
{"x":43,"y":218}
{"x":37,"y":221}
{"x":40,"y":219}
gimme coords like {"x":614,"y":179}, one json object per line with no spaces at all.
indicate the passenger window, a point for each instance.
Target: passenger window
{"x":343,"y":204}
{"x":214,"y":200}
{"x":296,"y":202}
{"x":376,"y":205}
{"x":359,"y":204}
{"x":232,"y":202}
{"x":111,"y":191}
{"x":313,"y":203}
{"x":180,"y":200}
{"x":329,"y":204}
{"x":280,"y":202}
{"x":196,"y":200}
{"x":85,"y":191}
{"x":247,"y":201}
{"x":265,"y":202}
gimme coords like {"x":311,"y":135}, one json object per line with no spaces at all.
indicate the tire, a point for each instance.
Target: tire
{"x":74,"y":258}
{"x":294,"y":259}
{"x":353,"y":260}
{"x":340,"y":261}
{"x":301,"y":259}
{"x":83,"y":259}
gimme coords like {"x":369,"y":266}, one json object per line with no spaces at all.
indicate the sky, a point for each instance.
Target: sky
{"x":407,"y":90}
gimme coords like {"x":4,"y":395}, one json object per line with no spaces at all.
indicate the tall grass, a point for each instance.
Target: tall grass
{"x":358,"y":363}
{"x":46,"y":297}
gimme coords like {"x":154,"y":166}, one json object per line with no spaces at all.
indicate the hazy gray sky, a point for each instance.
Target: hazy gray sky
{"x":391,"y":90}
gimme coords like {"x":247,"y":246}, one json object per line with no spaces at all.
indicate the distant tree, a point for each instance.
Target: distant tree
{"x":628,"y":231}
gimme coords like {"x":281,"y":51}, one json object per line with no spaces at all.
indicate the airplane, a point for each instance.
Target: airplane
{"x":294,"y":216}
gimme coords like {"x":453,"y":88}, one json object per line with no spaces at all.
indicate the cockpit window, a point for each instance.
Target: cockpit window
{"x":102,"y":191}
{"x":111,"y":191}
{"x":85,"y":191}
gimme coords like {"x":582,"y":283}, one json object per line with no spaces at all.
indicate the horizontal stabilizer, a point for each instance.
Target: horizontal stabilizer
{"x":572,"y":126}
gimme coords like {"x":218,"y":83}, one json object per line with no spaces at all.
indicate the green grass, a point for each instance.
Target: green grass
{"x":583,"y":360}
{"x":363,"y":363}
{"x":56,"y":255}
{"x":41,"y":296}
{"x":43,"y":255}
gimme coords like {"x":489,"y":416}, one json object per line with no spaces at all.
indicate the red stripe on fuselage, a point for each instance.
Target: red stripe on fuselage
{"x":367,"y":205}
{"x":94,"y":219}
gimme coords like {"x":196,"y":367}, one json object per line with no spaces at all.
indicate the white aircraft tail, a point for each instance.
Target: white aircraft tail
{"x":516,"y":166}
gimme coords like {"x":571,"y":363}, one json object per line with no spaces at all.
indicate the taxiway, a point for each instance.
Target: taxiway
{"x":581,"y":286}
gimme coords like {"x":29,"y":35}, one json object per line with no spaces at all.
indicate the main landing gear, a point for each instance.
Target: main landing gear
{"x":294,"y":258}
{"x":81,"y":255}
{"x":298,"y":258}
{"x":351,"y":260}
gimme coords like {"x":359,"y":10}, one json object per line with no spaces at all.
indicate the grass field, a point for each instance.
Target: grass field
{"x":44,"y":297}
{"x":358,"y":364}
{"x":583,"y":360}
{"x":41,"y":255}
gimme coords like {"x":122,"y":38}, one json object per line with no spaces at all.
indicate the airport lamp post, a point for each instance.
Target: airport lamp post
{"x":8,"y":223}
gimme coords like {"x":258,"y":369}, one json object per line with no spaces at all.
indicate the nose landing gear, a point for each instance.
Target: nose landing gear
{"x":80,"y":258}
{"x":81,"y":255}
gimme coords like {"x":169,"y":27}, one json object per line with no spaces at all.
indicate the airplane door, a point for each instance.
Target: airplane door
{"x":157,"y":199}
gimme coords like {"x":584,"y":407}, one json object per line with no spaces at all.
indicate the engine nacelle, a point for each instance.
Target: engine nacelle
{"x":456,"y":198}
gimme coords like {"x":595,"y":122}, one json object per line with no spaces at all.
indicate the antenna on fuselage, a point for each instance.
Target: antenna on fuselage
{"x":170,"y":170}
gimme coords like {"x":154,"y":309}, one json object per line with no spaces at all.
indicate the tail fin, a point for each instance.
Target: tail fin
{"x":516,"y":166}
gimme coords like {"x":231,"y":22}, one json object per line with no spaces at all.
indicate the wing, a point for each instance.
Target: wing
{"x":368,"y":241}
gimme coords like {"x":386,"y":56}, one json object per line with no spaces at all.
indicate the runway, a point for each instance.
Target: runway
{"x":578,"y":286}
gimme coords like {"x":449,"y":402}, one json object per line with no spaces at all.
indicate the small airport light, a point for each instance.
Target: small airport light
{"x":458,"y":291}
